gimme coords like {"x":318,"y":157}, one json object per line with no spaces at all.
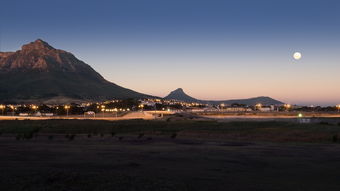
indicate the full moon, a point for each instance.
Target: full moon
{"x":297,"y":55}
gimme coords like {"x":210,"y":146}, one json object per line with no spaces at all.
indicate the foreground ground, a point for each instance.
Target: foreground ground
{"x":160,"y":155}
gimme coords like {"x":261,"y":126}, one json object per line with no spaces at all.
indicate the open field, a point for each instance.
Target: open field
{"x":168,"y":155}
{"x":149,"y":115}
{"x":271,"y":131}
{"x":283,"y":115}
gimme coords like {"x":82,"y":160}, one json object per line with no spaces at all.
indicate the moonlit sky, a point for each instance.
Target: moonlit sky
{"x":213,"y":49}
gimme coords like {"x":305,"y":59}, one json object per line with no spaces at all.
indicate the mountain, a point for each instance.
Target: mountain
{"x":40,"y":73}
{"x":180,"y":95}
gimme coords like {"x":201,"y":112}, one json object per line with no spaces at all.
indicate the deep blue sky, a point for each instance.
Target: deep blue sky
{"x":213,"y":49}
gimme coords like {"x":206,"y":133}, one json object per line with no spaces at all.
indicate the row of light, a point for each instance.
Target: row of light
{"x":35,"y":107}
{"x":114,"y":110}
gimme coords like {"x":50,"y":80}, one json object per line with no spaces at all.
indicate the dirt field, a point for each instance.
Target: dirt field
{"x":146,"y":158}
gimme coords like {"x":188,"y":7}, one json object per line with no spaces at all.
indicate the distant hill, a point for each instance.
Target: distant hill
{"x":40,"y":73}
{"x":180,"y":95}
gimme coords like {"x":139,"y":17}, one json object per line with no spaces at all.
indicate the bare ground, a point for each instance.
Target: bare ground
{"x":161,"y":163}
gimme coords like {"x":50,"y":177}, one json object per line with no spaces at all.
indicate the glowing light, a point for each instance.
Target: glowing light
{"x":297,"y":55}
{"x":287,"y":106}
{"x":2,"y":107}
{"x":300,"y":115}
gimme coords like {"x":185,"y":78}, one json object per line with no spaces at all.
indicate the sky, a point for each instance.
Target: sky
{"x":213,"y":49}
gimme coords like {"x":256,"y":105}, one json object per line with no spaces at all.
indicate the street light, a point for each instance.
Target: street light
{"x":67,"y":107}
{"x":258,"y":106}
{"x":2,"y":107}
{"x":13,"y":108}
{"x":338,"y":107}
{"x":116,"y":110}
{"x":103,"y":109}
{"x":34,"y":107}
{"x":287,"y":106}
{"x":222,"y":106}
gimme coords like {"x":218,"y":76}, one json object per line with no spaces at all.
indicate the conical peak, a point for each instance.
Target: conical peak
{"x":37,"y":45}
{"x":179,"y":90}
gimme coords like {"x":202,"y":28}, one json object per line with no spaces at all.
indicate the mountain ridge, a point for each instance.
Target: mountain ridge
{"x":180,"y":95}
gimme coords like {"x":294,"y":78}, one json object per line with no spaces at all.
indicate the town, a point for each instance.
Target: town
{"x":115,"y":108}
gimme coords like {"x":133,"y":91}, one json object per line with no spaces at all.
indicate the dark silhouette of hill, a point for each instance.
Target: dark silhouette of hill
{"x":40,"y":73}
{"x":180,"y":95}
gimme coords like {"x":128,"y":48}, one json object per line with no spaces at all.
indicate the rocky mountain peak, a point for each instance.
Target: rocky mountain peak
{"x":39,"y":55}
{"x":37,"y":45}
{"x":39,"y":72}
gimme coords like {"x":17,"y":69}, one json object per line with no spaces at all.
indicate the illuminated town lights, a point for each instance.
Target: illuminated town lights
{"x":258,"y":106}
{"x":103,"y":109}
{"x":13,"y":108}
{"x":287,"y":106}
{"x":2,"y":107}
{"x":34,"y":107}
{"x":338,"y":107}
{"x":67,"y":107}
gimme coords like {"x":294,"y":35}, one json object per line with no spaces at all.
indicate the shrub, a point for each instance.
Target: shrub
{"x":18,"y":137}
{"x":324,"y":123}
{"x":28,"y":135}
{"x":335,"y":138}
{"x":71,"y":137}
{"x":174,"y":135}
{"x":140,"y":135}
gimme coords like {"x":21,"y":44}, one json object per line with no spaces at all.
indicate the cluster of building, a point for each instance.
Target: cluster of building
{"x":116,"y":106}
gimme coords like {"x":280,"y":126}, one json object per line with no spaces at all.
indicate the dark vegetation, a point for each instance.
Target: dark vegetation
{"x":245,"y":131}
{"x":187,"y":155}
